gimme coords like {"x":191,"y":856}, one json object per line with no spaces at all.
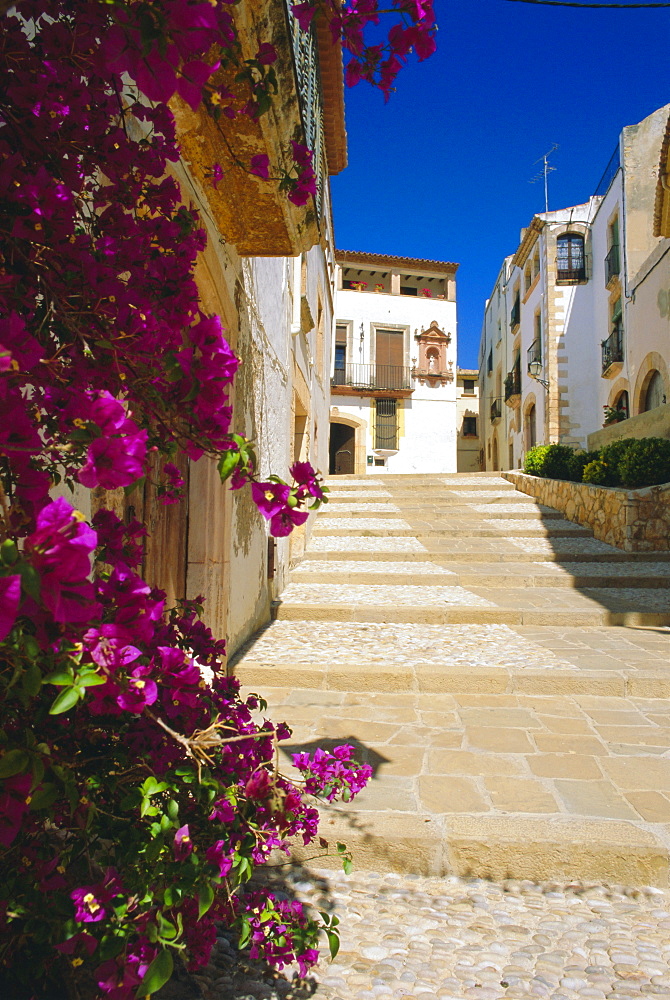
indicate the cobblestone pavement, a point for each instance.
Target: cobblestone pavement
{"x":413,"y":938}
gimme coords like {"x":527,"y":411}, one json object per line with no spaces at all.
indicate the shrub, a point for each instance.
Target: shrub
{"x":532,"y":463}
{"x":550,"y":461}
{"x":645,"y":463}
{"x":578,"y":462}
{"x":611,"y":455}
{"x":596,"y":472}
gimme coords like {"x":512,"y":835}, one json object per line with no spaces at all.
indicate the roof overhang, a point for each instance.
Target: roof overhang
{"x":353,"y":258}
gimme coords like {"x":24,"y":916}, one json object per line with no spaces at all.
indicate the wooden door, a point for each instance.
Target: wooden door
{"x":342,"y":444}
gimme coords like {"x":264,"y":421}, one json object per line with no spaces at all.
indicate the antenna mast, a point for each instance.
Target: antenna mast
{"x":544,"y":173}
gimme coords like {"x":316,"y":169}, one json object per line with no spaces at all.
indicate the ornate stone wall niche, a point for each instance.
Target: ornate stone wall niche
{"x":432,"y":366}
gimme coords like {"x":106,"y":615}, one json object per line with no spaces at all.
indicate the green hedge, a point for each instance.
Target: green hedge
{"x":630,"y":462}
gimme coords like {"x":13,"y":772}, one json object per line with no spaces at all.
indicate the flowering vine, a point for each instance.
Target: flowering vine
{"x":138,"y":790}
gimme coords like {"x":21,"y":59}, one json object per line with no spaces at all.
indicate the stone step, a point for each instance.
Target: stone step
{"x":547,"y":574}
{"x":445,"y":551}
{"x":471,"y":613}
{"x":498,"y":847}
{"x":480,"y":659}
{"x":389,"y":527}
{"x":437,"y":516}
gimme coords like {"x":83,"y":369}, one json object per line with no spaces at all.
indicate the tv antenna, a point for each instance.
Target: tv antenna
{"x":544,"y":172}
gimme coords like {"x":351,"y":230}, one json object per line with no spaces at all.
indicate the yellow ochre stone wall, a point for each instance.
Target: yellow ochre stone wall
{"x":632,"y":520}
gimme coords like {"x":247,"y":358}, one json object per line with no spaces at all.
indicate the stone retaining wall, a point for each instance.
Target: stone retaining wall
{"x":633,"y":520}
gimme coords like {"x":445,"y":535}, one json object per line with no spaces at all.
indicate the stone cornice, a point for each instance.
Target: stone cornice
{"x":534,"y":229}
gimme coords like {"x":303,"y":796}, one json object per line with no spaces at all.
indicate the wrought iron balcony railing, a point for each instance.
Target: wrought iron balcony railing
{"x":534,"y":353}
{"x":496,"y":410}
{"x":390,"y":377}
{"x":612,"y":263}
{"x":612,"y":349}
{"x":567,"y":273}
{"x":513,"y":383}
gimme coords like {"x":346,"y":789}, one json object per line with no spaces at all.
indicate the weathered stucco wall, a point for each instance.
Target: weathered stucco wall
{"x":653,"y":423}
{"x":633,"y":520}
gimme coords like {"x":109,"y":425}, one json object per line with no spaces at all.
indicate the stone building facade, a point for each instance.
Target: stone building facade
{"x":468,"y":442}
{"x":393,"y":374}
{"x":577,"y":328}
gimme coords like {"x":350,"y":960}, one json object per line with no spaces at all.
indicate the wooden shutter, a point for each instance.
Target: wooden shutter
{"x":390,"y":348}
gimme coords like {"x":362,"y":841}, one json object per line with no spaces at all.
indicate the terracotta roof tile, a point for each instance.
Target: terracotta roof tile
{"x":388,"y":260}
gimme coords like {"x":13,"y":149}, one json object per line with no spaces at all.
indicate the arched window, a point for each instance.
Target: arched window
{"x":653,"y":396}
{"x":621,"y":403}
{"x":570,"y":258}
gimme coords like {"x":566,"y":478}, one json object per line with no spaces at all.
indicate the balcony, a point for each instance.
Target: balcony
{"x":368,"y":380}
{"x":515,"y":315}
{"x":568,"y":275}
{"x":612,"y":264}
{"x":496,"y":411}
{"x":612,"y":353}
{"x":534,"y":353}
{"x":513,"y":387}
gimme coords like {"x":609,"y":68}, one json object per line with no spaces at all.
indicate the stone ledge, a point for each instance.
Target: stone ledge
{"x":631,"y":520}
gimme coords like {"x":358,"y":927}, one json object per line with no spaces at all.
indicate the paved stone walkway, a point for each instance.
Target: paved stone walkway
{"x":507,"y":676}
{"x":405,"y":937}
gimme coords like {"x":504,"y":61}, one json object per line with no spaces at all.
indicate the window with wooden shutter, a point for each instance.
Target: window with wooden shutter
{"x":389,"y":358}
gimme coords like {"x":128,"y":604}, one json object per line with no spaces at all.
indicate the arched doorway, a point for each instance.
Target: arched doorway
{"x":495,"y":454}
{"x":652,"y":393}
{"x":342,"y":449}
{"x":531,"y":427}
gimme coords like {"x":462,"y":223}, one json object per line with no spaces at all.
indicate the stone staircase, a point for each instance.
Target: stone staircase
{"x":469,"y":643}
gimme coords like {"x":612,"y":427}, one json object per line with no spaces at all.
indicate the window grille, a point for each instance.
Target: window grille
{"x":570,"y":258}
{"x":386,"y":424}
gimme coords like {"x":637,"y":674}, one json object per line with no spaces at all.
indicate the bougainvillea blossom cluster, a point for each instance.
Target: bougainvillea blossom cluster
{"x":138,"y":790}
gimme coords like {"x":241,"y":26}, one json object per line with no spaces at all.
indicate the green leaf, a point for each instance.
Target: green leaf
{"x":227,"y":464}
{"x":205,"y":900}
{"x":245,"y":935}
{"x":166,"y":929}
{"x":157,"y":974}
{"x":30,"y":581}
{"x":91,"y":680}
{"x":333,"y":943}
{"x":32,"y":680}
{"x":66,"y":699}
{"x":12,"y":763}
{"x":45,"y":797}
{"x":347,"y":866}
{"x":61,"y":678}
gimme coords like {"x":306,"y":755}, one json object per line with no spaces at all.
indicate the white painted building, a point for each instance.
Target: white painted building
{"x":393,"y":375}
{"x":584,"y":306}
{"x":468,"y":442}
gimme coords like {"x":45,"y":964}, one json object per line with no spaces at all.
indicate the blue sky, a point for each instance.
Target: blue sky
{"x":443,"y":170}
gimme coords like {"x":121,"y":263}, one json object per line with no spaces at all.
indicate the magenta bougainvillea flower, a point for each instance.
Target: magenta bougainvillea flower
{"x":270,"y":498}
{"x":219,"y":856}
{"x":91,"y":901}
{"x":10,"y":597}
{"x":183,"y":844}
